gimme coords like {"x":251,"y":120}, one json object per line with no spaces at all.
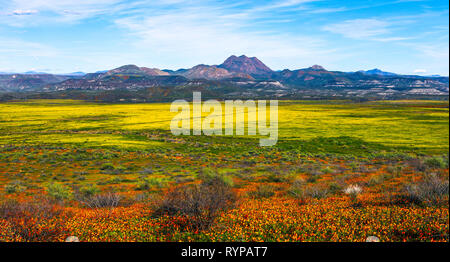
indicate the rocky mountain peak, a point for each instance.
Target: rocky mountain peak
{"x":317,"y":67}
{"x":247,"y":65}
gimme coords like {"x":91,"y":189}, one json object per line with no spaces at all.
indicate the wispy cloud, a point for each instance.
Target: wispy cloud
{"x":214,"y":35}
{"x":328,"y":10}
{"x":359,"y":28}
{"x":35,"y":12}
{"x":16,"y":51}
{"x":391,"y":39}
{"x":374,"y":29}
{"x":24,"y":12}
{"x":289,"y":3}
{"x":181,"y":33}
{"x":20,"y":48}
{"x":435,"y":51}
{"x":284,"y":4}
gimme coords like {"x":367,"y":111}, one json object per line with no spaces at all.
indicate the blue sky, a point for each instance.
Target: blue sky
{"x":60,"y":36}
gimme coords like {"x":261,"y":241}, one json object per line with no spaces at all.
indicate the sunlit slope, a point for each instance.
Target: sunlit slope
{"x":413,"y":124}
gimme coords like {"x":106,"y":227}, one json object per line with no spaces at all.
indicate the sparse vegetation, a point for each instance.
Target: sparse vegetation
{"x":104,"y":200}
{"x":353,"y":191}
{"x":435,"y":162}
{"x":88,"y":191}
{"x":59,"y":191}
{"x":201,"y":203}
{"x":15,"y":187}
{"x":31,"y":221}
{"x":263,"y":191}
{"x":147,"y":183}
{"x":115,"y":173}
{"x":432,"y":190}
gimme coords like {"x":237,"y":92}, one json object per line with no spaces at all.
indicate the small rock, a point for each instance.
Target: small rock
{"x":72,"y":239}
{"x":372,"y":239}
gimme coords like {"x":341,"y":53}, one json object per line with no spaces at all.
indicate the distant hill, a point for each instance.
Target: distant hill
{"x":236,"y":77}
{"x":210,"y":73}
{"x":75,"y":74}
{"x":247,"y":65}
{"x":35,"y":73}
{"x":124,"y":77}
{"x":132,"y":70}
{"x":28,"y":82}
{"x":377,"y":71}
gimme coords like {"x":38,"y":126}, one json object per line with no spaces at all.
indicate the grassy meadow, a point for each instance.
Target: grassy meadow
{"x":341,"y":171}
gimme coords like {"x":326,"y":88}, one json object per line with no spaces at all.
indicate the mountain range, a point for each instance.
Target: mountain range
{"x":377,"y":71}
{"x":237,"y":75}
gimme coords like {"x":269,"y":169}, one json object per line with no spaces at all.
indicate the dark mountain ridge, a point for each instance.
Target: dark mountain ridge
{"x":239,"y":76}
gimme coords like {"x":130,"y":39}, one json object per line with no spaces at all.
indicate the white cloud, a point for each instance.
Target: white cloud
{"x":20,"y":48}
{"x":205,"y":35}
{"x":328,"y":10}
{"x":286,"y":3}
{"x":432,"y":55}
{"x":24,"y":12}
{"x":391,"y":39}
{"x":435,"y":51}
{"x":34,"y":12}
{"x":359,"y":28}
{"x":15,"y":53}
{"x":420,"y":71}
{"x":60,"y":5}
{"x":368,"y":29}
{"x":183,"y":33}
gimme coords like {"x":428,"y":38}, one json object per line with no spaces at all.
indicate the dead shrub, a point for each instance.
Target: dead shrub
{"x":432,"y":190}
{"x":304,"y":192}
{"x":316,"y":192}
{"x":417,"y":164}
{"x":36,"y":221}
{"x":200,"y":202}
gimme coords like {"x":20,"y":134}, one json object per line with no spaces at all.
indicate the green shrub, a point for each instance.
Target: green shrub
{"x":15,"y":187}
{"x":227,"y":180}
{"x":209,"y":176}
{"x":279,"y":178}
{"x":206,"y":174}
{"x":89,"y":190}
{"x":435,"y":162}
{"x":327,"y":170}
{"x":334,"y":188}
{"x":147,"y":183}
{"x":59,"y":191}
{"x":312,"y":178}
{"x":107,"y":166}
